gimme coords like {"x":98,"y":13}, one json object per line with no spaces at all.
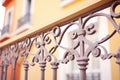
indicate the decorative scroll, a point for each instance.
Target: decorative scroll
{"x":47,"y":44}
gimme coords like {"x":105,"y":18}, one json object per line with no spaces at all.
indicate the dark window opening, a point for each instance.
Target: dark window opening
{"x":7,"y":25}
{"x":25,"y":18}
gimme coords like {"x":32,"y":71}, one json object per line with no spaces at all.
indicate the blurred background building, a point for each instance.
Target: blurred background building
{"x":28,"y":17}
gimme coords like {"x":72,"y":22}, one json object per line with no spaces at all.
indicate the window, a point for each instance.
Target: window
{"x":9,"y":18}
{"x":28,"y":6}
{"x":26,"y":13}
{"x":8,"y":21}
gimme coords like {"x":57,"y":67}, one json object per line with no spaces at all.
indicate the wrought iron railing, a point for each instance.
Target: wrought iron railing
{"x":45,"y":52}
{"x":5,"y":29}
{"x":23,"y":20}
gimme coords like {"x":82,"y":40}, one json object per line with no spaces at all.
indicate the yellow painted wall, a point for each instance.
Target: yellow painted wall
{"x":47,"y":11}
{"x":114,"y":45}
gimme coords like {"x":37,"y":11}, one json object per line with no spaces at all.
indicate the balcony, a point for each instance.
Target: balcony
{"x":23,"y":20}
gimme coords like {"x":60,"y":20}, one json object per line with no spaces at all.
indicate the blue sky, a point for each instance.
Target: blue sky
{"x":2,"y":13}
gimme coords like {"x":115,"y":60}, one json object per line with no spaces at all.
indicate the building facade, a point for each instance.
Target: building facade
{"x":41,"y":34}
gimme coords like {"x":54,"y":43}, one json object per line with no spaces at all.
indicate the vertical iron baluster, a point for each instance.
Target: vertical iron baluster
{"x":42,"y":66}
{"x":26,"y":66}
{"x":5,"y":74}
{"x":14,"y":69}
{"x":2,"y":71}
{"x":83,"y":62}
{"x":54,"y":67}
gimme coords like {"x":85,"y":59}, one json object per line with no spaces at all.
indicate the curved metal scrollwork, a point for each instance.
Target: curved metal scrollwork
{"x":47,"y":44}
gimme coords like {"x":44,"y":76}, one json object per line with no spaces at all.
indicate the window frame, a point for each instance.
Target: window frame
{"x":11,"y":10}
{"x":24,"y":7}
{"x":27,"y":25}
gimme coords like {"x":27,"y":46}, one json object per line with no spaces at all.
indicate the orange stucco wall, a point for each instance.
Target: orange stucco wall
{"x":12,"y":6}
